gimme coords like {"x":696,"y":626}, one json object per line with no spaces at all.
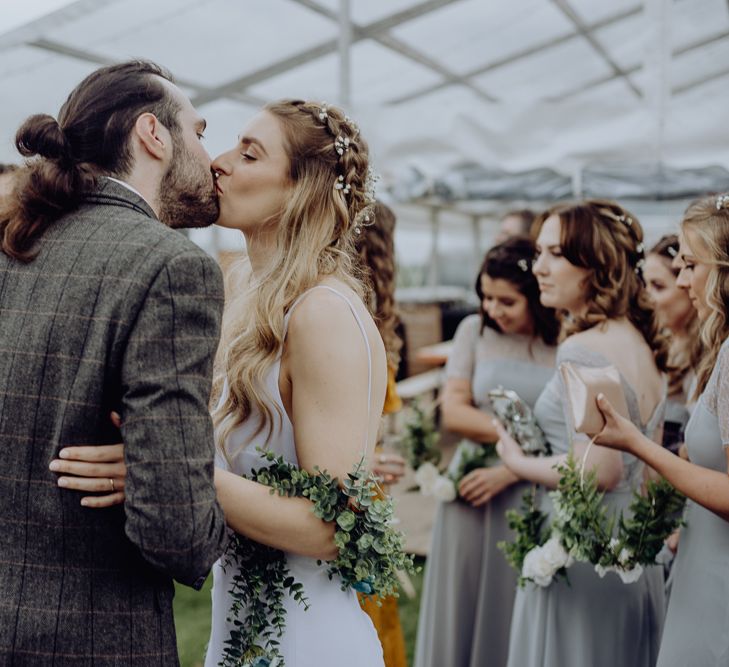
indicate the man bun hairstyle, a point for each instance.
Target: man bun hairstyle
{"x":91,"y":138}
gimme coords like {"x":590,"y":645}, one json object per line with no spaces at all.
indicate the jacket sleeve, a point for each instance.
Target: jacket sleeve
{"x":172,"y":514}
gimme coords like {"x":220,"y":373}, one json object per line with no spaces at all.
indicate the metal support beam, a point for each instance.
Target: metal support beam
{"x":584,"y":30}
{"x":345,"y":60}
{"x":688,"y":48}
{"x":398,"y":46}
{"x":433,"y":273}
{"x":519,"y":55}
{"x":50,"y":22}
{"x":477,"y":241}
{"x":97,"y":59}
{"x":369,"y":31}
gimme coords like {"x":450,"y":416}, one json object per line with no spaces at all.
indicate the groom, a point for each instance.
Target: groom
{"x":104,"y":307}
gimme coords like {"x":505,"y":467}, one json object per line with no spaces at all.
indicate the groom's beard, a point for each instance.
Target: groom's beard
{"x":187,"y":192}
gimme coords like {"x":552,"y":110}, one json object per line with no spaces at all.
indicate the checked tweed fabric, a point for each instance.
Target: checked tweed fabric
{"x":117,"y":312}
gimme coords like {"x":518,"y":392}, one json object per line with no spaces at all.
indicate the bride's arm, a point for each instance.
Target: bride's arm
{"x":326,"y":363}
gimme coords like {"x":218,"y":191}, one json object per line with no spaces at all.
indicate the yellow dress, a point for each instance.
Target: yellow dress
{"x":386,"y":618}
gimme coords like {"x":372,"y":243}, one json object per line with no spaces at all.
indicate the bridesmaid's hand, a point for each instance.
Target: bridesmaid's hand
{"x":93,"y":468}
{"x":672,"y":541}
{"x":618,"y":432}
{"x":389,"y":467}
{"x":507,"y":448}
{"x":482,"y":484}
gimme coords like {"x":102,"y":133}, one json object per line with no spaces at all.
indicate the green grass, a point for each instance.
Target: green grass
{"x":192,"y":619}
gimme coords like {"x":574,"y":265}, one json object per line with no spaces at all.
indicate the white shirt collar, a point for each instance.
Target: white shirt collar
{"x":127,"y":186}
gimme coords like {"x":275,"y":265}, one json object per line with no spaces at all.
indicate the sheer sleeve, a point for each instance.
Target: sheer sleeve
{"x":462,"y":359}
{"x":721,"y":389}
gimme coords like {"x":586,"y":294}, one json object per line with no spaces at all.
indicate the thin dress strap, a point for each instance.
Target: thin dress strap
{"x":361,"y":326}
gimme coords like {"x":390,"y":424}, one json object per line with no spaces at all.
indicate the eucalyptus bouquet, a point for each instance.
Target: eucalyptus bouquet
{"x":419,"y":443}
{"x":370,"y":554}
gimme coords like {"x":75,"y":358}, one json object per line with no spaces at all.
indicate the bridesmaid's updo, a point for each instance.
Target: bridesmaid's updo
{"x":511,"y":261}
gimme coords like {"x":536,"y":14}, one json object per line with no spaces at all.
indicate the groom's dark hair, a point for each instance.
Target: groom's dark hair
{"x":89,"y":139}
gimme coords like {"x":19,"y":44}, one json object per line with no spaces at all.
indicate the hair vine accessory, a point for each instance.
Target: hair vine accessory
{"x":722,"y":201}
{"x":324,"y":112}
{"x":370,"y":186}
{"x":341,"y":144}
{"x":523,"y":265}
{"x":672,"y":251}
{"x":340,"y":184}
{"x":640,"y":249}
{"x":626,"y":220}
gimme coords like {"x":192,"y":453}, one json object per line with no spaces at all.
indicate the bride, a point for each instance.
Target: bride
{"x":301,"y":366}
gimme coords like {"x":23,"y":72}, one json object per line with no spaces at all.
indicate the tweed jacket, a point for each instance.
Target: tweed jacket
{"x":117,"y":312}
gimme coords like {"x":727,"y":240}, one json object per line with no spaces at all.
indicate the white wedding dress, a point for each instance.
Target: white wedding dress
{"x":334,"y":631}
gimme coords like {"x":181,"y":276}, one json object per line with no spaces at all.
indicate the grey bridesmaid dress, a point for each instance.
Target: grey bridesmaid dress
{"x":697,"y":622}
{"x":469,"y":588}
{"x":590,"y":621}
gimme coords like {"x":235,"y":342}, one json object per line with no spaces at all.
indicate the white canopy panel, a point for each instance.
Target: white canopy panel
{"x":527,"y":84}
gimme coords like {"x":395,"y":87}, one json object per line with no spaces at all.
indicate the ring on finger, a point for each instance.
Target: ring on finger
{"x":111,"y":483}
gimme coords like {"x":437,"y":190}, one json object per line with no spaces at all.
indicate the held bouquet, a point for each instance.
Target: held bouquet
{"x":583,"y":530}
{"x":370,"y":555}
{"x":419,"y":443}
{"x":444,"y":485}
{"x":518,"y":420}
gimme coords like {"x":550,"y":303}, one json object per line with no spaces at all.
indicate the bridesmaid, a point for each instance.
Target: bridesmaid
{"x":376,"y":248}
{"x":469,"y":587}
{"x":588,"y":266}
{"x":678,"y":319}
{"x":696,"y":623}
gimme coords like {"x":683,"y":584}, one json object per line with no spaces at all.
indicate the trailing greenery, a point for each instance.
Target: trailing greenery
{"x":419,"y":443}
{"x":370,"y":552}
{"x":584,"y":530}
{"x":528,"y":524}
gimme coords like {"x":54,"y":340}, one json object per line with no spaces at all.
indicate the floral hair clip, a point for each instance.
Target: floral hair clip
{"x":339,"y":184}
{"x":370,"y":186}
{"x":523,"y":265}
{"x":352,"y":124}
{"x":341,"y":144}
{"x":722,"y":201}
{"x":324,"y":112}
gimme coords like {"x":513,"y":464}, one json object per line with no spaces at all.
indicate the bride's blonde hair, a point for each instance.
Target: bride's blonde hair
{"x":709,"y":219}
{"x":328,"y":201}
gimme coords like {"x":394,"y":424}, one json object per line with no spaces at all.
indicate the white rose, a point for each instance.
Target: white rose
{"x":630,"y":576}
{"x":624,"y":556}
{"x":536,"y":568}
{"x":444,"y":489}
{"x":426,"y":476}
{"x":555,"y":554}
{"x":603,"y":570}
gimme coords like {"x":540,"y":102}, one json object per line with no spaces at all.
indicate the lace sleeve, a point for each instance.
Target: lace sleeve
{"x":462,"y":359}
{"x":720,"y":387}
